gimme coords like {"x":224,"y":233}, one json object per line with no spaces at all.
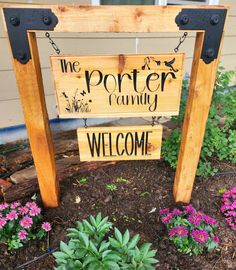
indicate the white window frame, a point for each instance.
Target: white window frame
{"x":165,"y":2}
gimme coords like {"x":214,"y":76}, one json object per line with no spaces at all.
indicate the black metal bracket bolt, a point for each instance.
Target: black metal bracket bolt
{"x":215,"y":19}
{"x":47,"y":20}
{"x":210,"y":53}
{"x":209,"y":20}
{"x":19,"y":20}
{"x":184,"y":19}
{"x":15,"y":21}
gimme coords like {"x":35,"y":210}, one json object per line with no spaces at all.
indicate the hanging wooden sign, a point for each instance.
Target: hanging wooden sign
{"x":119,"y":143}
{"x":121,"y":85}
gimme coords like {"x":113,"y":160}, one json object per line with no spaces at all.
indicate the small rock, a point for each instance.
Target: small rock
{"x":141,"y":211}
{"x":77,"y":199}
{"x":108,"y":199}
{"x":153,"y":210}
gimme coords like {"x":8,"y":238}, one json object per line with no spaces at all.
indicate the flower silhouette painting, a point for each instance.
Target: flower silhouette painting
{"x":76,"y":104}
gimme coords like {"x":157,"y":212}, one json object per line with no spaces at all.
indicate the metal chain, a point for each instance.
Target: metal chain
{"x":57,"y":50}
{"x":54,"y":45}
{"x":85,"y":122}
{"x":181,"y":40}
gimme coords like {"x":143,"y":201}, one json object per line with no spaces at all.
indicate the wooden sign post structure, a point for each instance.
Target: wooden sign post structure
{"x":22,"y":23}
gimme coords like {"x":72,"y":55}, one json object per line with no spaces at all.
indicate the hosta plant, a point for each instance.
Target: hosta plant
{"x":20,"y":223}
{"x":91,"y":248}
{"x":228,"y":207}
{"x":191,"y":231}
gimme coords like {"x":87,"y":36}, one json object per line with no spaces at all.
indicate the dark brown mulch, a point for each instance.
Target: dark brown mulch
{"x":149,"y":188}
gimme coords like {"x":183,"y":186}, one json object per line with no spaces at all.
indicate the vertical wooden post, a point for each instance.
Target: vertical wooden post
{"x":29,"y":79}
{"x":198,"y":104}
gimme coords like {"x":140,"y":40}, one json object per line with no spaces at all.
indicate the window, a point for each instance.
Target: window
{"x":155,"y":2}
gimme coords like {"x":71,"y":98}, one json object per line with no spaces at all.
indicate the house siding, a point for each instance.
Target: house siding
{"x":10,"y":106}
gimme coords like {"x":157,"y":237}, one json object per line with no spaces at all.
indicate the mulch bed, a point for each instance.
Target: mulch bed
{"x":135,"y":205}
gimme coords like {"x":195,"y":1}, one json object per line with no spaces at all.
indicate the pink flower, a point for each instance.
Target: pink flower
{"x":200,"y":236}
{"x":176,"y":212}
{"x":31,"y":204}
{"x":164,"y":211}
{"x":3,"y":222}
{"x":14,"y":205}
{"x":178,"y":231}
{"x":12,"y":215}
{"x":26,"y":222}
{"x":229,"y":207}
{"x":22,"y":234}
{"x":216,"y":239}
{"x":3,"y":206}
{"x":167,"y":219}
{"x":35,"y":211}
{"x":23,"y":210}
{"x":231,"y":213}
{"x":195,"y":219}
{"x":189,"y":209}
{"x":210,"y":220}
{"x":46,"y":226}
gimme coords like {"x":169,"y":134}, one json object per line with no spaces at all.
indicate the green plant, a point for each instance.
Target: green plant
{"x":222,"y":190}
{"x":191,"y":231}
{"x":89,"y":247}
{"x":220,"y":135}
{"x":111,"y":187}
{"x":144,"y":194}
{"x":121,"y":180}
{"x":83,"y":180}
{"x":20,"y":223}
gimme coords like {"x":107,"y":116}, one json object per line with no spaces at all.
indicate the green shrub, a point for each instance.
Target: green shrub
{"x":90,"y":248}
{"x":220,"y":135}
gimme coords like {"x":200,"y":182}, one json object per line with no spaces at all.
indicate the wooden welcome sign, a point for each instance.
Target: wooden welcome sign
{"x":119,"y":143}
{"x":121,"y":85}
{"x":125,"y":85}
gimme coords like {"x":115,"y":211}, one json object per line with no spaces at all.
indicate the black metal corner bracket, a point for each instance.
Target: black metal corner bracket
{"x":19,"y":20}
{"x":211,"y":21}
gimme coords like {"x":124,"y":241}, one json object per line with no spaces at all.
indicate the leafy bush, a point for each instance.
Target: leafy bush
{"x":190,"y":230}
{"x":20,"y":223}
{"x":228,"y":207}
{"x":220,"y":135}
{"x":90,"y":248}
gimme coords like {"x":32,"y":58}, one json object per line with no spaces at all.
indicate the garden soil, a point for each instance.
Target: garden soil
{"x":134,"y":205}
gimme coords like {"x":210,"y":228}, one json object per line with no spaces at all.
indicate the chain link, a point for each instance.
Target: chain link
{"x":54,"y":45}
{"x":181,"y":40}
{"x":85,"y":122}
{"x":57,"y":50}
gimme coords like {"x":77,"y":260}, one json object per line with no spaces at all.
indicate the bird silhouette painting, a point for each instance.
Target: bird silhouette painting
{"x":170,"y":65}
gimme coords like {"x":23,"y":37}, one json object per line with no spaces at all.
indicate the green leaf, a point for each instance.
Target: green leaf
{"x":84,"y":238}
{"x":64,"y":248}
{"x":93,"y":221}
{"x":88,"y":260}
{"x":93,"y":247}
{"x":126,"y":237}
{"x":133,"y":242}
{"x":112,"y":265}
{"x":88,"y":226}
{"x":98,"y":218}
{"x":114,"y":243}
{"x":60,"y":255}
{"x":145,"y":248}
{"x":104,"y":245}
{"x":118,"y":235}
